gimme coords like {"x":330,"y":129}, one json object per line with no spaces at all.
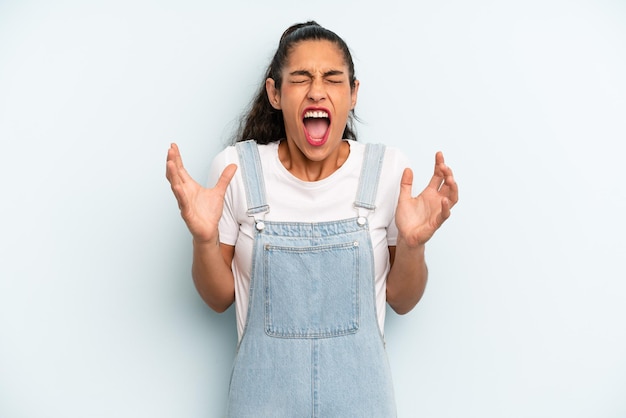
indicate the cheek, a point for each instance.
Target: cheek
{"x":290,"y":115}
{"x":291,"y":119}
{"x":289,"y":104}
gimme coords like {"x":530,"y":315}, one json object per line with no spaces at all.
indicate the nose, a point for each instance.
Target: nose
{"x":317,"y":92}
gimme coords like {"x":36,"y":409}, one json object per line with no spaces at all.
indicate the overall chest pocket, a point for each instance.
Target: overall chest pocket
{"x":311,"y":292}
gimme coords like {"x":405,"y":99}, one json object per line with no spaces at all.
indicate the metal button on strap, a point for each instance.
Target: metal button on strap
{"x":361,"y":220}
{"x":260,"y":225}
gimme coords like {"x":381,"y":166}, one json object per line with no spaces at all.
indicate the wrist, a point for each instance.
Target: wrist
{"x":413,"y":245}
{"x":206,"y":242}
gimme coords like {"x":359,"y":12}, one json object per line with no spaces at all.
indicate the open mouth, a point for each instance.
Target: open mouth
{"x":316,"y":123}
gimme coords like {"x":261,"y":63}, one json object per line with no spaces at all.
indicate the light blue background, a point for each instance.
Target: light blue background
{"x":524,"y":312}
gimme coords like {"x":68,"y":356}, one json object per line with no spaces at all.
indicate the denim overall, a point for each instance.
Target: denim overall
{"x":311,"y":345}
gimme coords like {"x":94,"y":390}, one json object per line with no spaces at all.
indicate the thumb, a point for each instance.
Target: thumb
{"x":406,"y":184}
{"x":225,"y":178}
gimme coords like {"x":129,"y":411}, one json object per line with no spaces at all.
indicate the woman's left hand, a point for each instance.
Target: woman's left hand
{"x":417,"y":218}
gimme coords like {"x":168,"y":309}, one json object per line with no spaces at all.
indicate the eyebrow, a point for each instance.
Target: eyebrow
{"x":307,"y":73}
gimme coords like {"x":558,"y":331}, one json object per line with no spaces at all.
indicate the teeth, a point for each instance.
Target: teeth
{"x":316,"y":114}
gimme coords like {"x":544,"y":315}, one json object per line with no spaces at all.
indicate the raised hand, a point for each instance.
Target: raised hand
{"x":417,"y":218}
{"x":201,"y":208}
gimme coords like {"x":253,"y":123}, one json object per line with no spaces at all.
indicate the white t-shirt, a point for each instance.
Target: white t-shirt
{"x":293,"y":200}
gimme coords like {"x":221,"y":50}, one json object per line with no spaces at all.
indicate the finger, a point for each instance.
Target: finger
{"x":171,"y":173}
{"x":180,"y":171}
{"x":181,"y":197}
{"x":445,"y":209}
{"x":176,"y":184}
{"x":177,"y":176}
{"x":452,"y":189}
{"x":406,"y":184}
{"x":170,"y":157}
{"x":439,"y":158}
{"x":225,"y":178}
{"x":173,"y":165}
{"x":176,"y":173}
{"x":438,"y":175}
{"x":175,"y":151}
{"x":174,"y":162}
{"x":173,"y":154}
{"x":448,"y":186}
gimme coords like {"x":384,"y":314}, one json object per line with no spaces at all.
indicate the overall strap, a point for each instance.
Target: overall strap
{"x":370,"y":173}
{"x":252,"y":175}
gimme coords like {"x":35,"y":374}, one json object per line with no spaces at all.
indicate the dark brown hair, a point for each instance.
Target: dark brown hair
{"x":265,"y":124}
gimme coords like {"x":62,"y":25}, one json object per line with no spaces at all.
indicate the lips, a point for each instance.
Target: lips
{"x":316,"y":122}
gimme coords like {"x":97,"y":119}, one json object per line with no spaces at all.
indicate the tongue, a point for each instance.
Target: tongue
{"x":316,"y":127}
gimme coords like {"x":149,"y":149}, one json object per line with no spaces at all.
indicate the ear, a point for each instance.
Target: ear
{"x":354,"y":93}
{"x":273,"y":94}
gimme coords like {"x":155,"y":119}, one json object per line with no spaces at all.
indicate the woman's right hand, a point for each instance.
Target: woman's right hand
{"x":201,"y":208}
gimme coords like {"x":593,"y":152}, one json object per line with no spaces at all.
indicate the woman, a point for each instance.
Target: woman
{"x":310,"y":233}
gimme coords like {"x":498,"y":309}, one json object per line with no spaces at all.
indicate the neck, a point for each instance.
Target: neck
{"x":307,"y":169}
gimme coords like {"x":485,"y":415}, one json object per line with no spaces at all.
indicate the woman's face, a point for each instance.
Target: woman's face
{"x":315,"y":97}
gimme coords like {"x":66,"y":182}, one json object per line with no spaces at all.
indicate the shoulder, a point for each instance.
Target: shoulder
{"x":229,"y":155}
{"x":392,"y":154}
{"x":393,"y":166}
{"x":394,"y":159}
{"x":226,"y":156}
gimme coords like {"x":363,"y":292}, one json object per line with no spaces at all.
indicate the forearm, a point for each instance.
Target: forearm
{"x":212,"y":274}
{"x":407,"y":278}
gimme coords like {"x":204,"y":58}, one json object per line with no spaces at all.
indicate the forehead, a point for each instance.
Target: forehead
{"x":315,"y":54}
